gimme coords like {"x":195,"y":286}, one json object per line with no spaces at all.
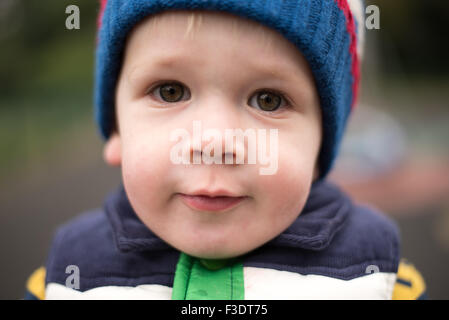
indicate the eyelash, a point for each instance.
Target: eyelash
{"x":283,"y":96}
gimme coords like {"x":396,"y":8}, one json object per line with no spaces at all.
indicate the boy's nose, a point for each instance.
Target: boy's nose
{"x":226,"y":157}
{"x":218,"y":122}
{"x":218,"y":146}
{"x":218,"y":111}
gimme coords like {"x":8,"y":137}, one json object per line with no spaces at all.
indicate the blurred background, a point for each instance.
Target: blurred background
{"x":395,"y":155}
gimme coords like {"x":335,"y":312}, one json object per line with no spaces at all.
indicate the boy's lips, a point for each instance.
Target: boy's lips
{"x":208,"y":202}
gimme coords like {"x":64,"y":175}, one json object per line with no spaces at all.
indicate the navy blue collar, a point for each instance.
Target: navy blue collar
{"x":323,"y":216}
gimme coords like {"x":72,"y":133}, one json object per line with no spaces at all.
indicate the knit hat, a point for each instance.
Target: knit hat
{"x":329,"y":33}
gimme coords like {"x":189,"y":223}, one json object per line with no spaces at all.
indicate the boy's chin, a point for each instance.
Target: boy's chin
{"x":214,"y":253}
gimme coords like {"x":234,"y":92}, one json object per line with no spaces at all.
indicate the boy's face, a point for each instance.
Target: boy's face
{"x":227,"y":75}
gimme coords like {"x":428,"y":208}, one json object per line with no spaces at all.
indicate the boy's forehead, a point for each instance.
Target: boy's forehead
{"x":196,"y":18}
{"x":161,"y":42}
{"x":190,"y":25}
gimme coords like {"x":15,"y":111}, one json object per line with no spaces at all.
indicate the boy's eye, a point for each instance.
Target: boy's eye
{"x":266,"y":100}
{"x":170,"y":92}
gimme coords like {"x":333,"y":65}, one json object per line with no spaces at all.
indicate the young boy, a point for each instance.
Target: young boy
{"x":191,"y":221}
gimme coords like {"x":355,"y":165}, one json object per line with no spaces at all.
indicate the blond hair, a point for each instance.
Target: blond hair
{"x":195,"y":21}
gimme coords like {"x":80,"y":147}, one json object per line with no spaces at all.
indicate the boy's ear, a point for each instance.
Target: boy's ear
{"x":112,"y":150}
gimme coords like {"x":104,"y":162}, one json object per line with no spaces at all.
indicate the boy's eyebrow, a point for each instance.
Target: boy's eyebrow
{"x":277,"y":70}
{"x":165,"y":62}
{"x":168,"y":61}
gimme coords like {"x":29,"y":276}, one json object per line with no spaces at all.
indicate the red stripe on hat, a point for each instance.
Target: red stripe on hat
{"x":355,"y":67}
{"x":100,"y":17}
{"x":100,"y":14}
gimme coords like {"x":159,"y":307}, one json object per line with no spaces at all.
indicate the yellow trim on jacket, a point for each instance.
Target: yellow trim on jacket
{"x":410,"y":284}
{"x":36,"y":283}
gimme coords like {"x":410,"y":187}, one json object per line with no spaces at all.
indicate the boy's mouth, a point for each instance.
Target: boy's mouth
{"x":206,"y":202}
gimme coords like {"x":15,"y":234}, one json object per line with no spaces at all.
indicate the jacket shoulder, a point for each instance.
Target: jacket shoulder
{"x":88,"y":245}
{"x":84,"y":242}
{"x":83,"y":230}
{"x":366,"y":242}
{"x":371,"y":239}
{"x":371,"y":229}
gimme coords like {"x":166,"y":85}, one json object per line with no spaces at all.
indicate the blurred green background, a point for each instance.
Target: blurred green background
{"x":51,"y":164}
{"x":46,"y":73}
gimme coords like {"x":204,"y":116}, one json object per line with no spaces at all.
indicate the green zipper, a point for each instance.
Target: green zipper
{"x":201,"y":279}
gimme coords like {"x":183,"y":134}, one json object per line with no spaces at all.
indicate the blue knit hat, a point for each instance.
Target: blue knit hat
{"x":329,"y":33}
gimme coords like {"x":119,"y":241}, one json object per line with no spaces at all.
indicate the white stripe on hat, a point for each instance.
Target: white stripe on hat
{"x":358,"y":12}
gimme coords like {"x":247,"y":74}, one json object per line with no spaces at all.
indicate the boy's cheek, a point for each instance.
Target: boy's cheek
{"x":289,"y":187}
{"x":146,"y":169}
